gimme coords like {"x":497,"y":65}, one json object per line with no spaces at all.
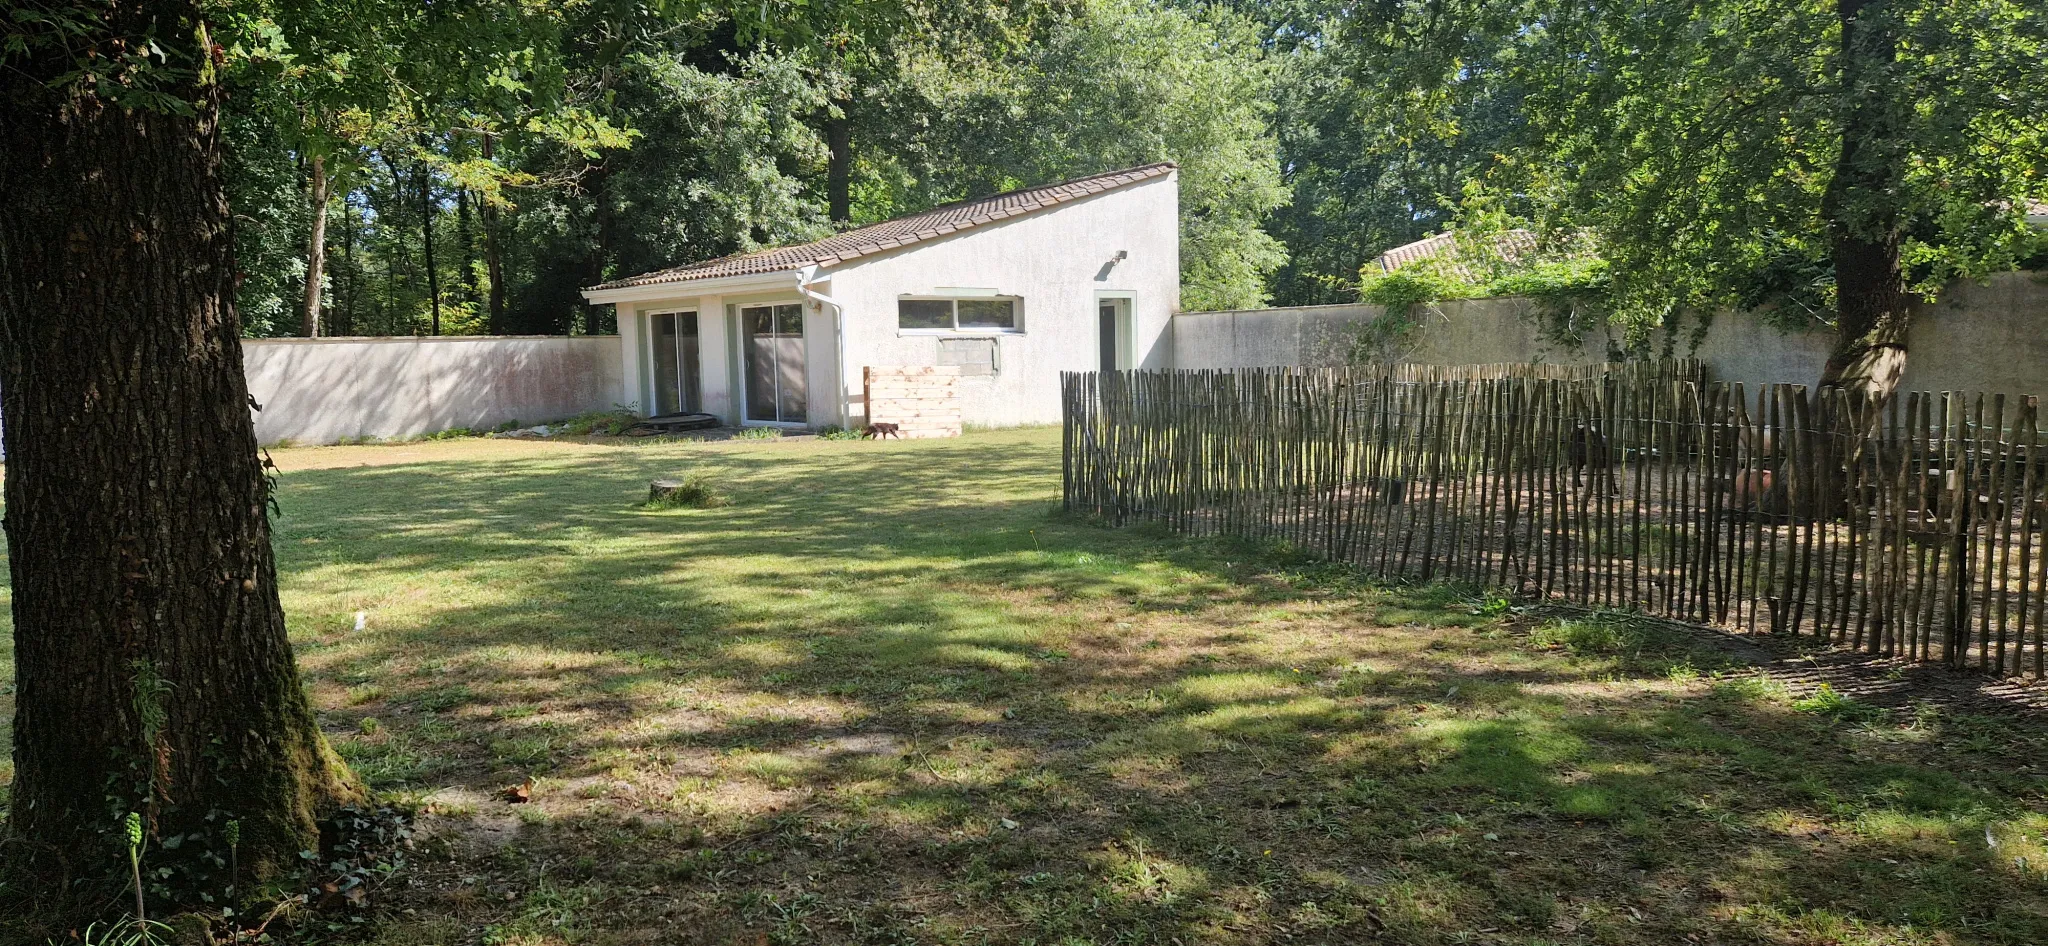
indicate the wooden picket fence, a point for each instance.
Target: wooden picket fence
{"x":1912,"y":528}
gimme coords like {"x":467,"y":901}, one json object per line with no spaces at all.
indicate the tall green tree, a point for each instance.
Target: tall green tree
{"x":338,"y":83}
{"x":1118,"y":83}
{"x":1367,"y":164}
{"x":154,"y":672}
{"x":154,"y":675}
{"x":1823,"y":156}
{"x":726,"y":162}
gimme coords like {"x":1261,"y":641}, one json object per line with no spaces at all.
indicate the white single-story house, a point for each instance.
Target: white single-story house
{"x":1013,"y":289}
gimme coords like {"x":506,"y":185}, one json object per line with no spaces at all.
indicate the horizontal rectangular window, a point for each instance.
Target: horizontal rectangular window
{"x":987,"y":313}
{"x":957,"y":315}
{"x":924,"y":314}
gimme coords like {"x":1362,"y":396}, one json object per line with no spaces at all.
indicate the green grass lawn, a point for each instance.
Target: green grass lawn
{"x":887,"y":694}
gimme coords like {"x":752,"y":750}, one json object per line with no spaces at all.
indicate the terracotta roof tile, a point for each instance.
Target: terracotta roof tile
{"x":902,"y":231}
{"x":1511,"y":244}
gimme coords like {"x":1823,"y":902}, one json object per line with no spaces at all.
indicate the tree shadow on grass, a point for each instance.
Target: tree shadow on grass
{"x":868,"y":703}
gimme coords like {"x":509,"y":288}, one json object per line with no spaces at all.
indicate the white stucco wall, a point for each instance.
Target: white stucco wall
{"x":1977,"y":336}
{"x":319,"y":390}
{"x":1055,"y":261}
{"x":718,"y":336}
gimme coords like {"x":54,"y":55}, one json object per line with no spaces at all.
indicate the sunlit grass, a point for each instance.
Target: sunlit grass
{"x":887,"y":694}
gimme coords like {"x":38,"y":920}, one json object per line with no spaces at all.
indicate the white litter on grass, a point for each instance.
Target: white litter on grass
{"x":362,"y":620}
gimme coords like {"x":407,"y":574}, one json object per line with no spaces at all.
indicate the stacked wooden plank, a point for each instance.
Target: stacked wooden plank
{"x":922,"y":401}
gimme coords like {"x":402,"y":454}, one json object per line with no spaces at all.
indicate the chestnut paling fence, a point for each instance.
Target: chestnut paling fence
{"x":1911,"y":528}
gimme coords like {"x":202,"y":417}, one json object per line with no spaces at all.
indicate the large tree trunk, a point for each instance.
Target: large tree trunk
{"x":465,"y":236}
{"x":839,"y":169}
{"x":494,"y":260}
{"x":153,"y":671}
{"x":427,"y":209}
{"x":1863,"y":212}
{"x":348,"y":287}
{"x":599,"y":182}
{"x":392,"y":215}
{"x":316,"y":248}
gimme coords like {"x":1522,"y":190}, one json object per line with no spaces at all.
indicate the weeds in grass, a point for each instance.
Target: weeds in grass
{"x":612,"y":423}
{"x":836,"y":432}
{"x":758,"y":433}
{"x":548,"y":913}
{"x":1827,"y":701}
{"x":1493,"y":603}
{"x":452,"y":433}
{"x":695,"y":491}
{"x":1597,"y":634}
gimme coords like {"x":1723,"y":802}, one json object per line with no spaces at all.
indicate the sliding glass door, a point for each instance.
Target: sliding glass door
{"x":678,"y":379}
{"x":777,"y":389}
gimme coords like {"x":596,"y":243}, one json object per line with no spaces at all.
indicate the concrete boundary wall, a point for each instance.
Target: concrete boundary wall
{"x":1990,"y":336}
{"x":320,"y":390}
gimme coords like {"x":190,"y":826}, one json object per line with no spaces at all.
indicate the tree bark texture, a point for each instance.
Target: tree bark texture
{"x":465,"y":235}
{"x":427,"y":214}
{"x":494,"y":260}
{"x":316,"y":248}
{"x":606,"y":253}
{"x":153,"y":671}
{"x":1862,"y":207}
{"x":839,"y":169}
{"x":348,"y":283}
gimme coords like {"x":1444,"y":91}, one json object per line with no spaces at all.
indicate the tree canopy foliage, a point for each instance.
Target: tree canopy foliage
{"x":485,"y":167}
{"x":582,"y":141}
{"x":1815,"y":159}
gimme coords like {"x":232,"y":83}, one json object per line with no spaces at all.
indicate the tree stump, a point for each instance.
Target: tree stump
{"x":663,"y":491}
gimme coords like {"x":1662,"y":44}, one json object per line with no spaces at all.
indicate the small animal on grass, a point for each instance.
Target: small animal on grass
{"x":879,"y":431}
{"x":1589,"y":452}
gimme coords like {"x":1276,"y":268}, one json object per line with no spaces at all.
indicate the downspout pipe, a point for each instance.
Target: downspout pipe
{"x":804,"y":278}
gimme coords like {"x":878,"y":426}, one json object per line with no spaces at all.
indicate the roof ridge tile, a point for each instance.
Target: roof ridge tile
{"x":897,"y":232}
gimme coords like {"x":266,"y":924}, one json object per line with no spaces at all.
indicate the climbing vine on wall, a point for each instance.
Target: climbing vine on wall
{"x":1572,"y":294}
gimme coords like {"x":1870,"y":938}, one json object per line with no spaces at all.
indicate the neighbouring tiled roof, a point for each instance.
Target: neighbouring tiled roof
{"x":1511,"y":244}
{"x":902,"y":231}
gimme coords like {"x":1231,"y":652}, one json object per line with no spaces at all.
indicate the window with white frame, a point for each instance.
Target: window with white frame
{"x":978,"y":316}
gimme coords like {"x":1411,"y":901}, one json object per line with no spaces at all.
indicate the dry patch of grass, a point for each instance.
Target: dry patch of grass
{"x":887,"y":695}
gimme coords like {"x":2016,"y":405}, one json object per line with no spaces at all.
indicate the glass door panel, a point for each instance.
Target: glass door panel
{"x":792,"y":385}
{"x":690,"y":373}
{"x":676,"y":372}
{"x":776,"y":386}
{"x":666,"y":387}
